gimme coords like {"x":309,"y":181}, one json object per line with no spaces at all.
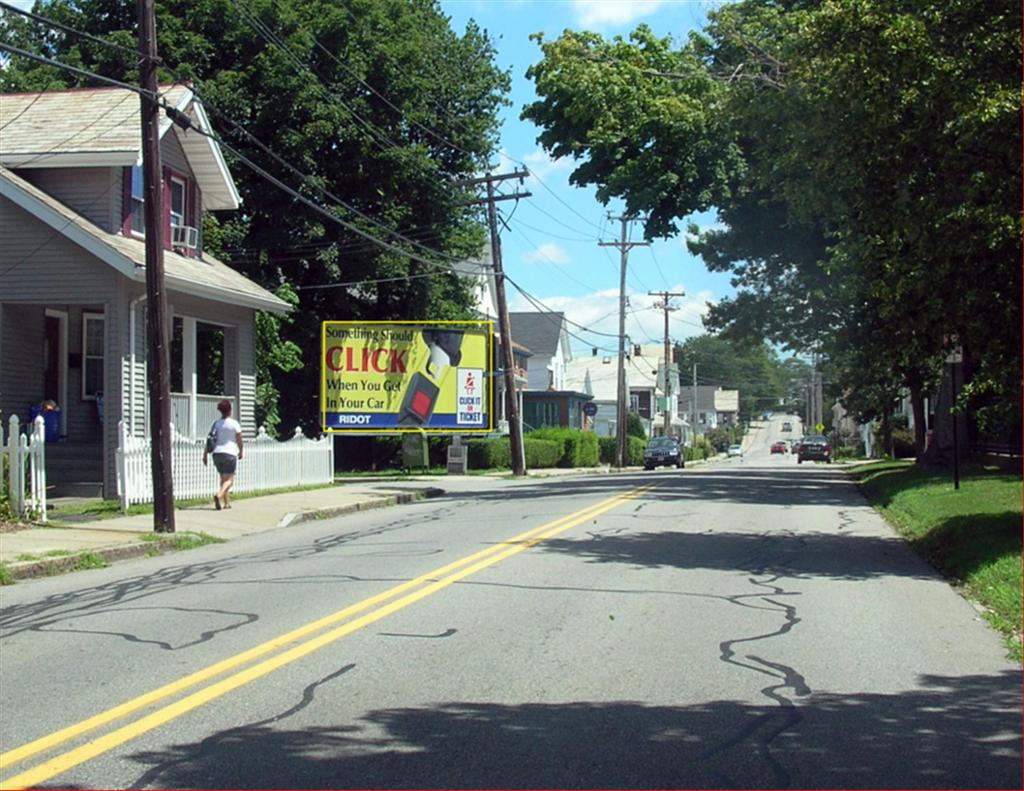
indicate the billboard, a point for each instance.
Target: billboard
{"x":406,"y":376}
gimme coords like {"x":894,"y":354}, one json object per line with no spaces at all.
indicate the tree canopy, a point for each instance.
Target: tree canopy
{"x":379,"y":103}
{"x":863,"y":156}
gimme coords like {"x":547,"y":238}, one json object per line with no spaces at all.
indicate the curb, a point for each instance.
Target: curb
{"x":297,"y":517}
{"x":48,"y":567}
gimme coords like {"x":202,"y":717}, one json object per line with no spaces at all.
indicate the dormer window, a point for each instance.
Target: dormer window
{"x":138,"y":202}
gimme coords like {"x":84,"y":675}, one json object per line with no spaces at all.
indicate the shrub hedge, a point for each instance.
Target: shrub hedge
{"x":634,"y":451}
{"x":496,"y":453}
{"x":579,"y":448}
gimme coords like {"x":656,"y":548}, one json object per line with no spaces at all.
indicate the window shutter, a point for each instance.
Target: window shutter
{"x":126,"y":201}
{"x":192,"y":211}
{"x":166,"y":208}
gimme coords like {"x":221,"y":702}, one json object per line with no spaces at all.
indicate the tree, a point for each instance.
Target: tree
{"x":377,"y":102}
{"x":865,"y":164}
{"x":751,"y":368}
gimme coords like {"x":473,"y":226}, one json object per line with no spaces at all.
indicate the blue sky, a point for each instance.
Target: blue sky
{"x":552,"y":249}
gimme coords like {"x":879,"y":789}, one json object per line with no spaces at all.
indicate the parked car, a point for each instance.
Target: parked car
{"x":663,"y":451}
{"x":814,"y":448}
{"x":779,"y":447}
{"x":734,"y":450}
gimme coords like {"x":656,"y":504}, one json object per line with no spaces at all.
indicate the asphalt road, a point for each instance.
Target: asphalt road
{"x":751,"y":623}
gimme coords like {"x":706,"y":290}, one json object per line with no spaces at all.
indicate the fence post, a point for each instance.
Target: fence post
{"x":37,"y":466}
{"x":17,"y":465}
{"x":121,"y":456}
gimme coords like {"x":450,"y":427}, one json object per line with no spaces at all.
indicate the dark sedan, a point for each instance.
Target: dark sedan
{"x":814,"y":448}
{"x":663,"y":451}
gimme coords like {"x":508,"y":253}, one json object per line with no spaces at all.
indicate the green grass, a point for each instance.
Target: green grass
{"x":972,"y":535}
{"x":178,"y":541}
{"x":90,"y":560}
{"x":6,"y":578}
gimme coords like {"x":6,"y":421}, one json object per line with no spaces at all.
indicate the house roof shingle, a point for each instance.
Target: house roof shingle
{"x":538,"y":331}
{"x":99,"y":127}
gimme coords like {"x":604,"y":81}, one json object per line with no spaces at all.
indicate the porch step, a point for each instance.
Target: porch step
{"x":88,"y":489}
{"x":74,"y":469}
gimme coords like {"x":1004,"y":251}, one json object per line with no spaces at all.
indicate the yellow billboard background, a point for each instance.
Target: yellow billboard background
{"x":406,"y":376}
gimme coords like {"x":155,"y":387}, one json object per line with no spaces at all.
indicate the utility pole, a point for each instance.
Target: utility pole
{"x":667,"y":307}
{"x":515,"y":426}
{"x":694,"y":410}
{"x":624,"y":245}
{"x":156,"y":296}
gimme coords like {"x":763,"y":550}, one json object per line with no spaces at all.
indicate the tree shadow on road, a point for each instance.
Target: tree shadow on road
{"x":837,"y":555}
{"x":950,"y":732}
{"x":755,"y":486}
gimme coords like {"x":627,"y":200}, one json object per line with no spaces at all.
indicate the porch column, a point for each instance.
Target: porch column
{"x":189,"y":376}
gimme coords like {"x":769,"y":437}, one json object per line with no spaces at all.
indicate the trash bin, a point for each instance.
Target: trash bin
{"x":51,"y":422}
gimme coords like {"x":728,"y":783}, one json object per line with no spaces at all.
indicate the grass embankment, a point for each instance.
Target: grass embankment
{"x":973,"y":535}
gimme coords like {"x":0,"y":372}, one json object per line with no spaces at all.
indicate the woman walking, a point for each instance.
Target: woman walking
{"x":226,"y":441}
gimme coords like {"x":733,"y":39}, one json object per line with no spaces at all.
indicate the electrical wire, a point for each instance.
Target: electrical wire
{"x":74,"y":31}
{"x":273,"y":39}
{"x":75,"y":70}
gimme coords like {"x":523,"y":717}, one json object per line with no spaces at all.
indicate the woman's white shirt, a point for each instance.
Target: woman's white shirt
{"x":227,"y":429}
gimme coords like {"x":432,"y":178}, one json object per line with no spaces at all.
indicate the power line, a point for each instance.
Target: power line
{"x":74,"y":70}
{"x":273,"y":39}
{"x":74,"y":31}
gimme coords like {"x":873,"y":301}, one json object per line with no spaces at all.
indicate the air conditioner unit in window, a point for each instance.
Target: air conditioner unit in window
{"x":184,"y":236}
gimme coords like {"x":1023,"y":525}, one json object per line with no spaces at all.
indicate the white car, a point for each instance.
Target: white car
{"x":734,"y":450}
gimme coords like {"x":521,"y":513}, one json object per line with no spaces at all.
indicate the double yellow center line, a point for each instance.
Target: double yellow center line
{"x":291,"y":646}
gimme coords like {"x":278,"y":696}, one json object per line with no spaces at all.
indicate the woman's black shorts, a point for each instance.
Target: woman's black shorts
{"x":225,"y":463}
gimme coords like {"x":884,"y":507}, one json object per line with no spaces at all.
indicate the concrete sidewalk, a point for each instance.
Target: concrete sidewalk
{"x":120,"y":537}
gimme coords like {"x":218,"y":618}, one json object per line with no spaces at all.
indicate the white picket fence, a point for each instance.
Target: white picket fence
{"x":24,"y":473}
{"x":266,"y":464}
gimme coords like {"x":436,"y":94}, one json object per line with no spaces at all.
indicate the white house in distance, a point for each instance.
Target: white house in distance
{"x":647,"y":390}
{"x":546,"y":335}
{"x":597,"y":376}
{"x":72,"y":276}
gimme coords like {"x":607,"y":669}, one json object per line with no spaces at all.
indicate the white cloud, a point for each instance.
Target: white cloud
{"x":593,"y":13}
{"x":645,"y":324}
{"x":542,"y":166}
{"x":547,"y":253}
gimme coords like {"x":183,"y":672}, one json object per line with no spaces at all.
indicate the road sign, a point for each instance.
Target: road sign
{"x":590,"y":409}
{"x":820,"y":428}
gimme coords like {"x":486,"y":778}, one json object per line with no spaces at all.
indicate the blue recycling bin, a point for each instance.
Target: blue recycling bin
{"x":51,"y":422}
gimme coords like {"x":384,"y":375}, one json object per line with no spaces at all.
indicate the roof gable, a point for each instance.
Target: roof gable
{"x":539,"y":332}
{"x":207,"y":278}
{"x":100,"y":127}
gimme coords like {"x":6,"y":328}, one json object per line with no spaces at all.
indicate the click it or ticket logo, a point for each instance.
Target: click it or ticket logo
{"x":470,"y":406}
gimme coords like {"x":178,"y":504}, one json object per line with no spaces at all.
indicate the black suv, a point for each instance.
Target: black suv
{"x":815,"y":448}
{"x":661,"y":451}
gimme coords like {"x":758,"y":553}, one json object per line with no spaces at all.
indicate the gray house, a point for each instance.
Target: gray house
{"x":546,"y":335}
{"x":72,"y":276}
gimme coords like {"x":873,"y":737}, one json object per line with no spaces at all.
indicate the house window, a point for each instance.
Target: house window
{"x":179,"y":191}
{"x":138,"y":201}
{"x":93,"y":344}
{"x":634,"y":402}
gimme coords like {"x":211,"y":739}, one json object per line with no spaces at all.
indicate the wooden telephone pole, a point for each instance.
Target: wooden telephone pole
{"x":515,"y":426}
{"x":668,"y":307}
{"x":624,"y":245}
{"x":156,"y":296}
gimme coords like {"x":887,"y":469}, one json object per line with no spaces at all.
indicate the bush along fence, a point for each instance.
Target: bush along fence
{"x":23,"y":468}
{"x":266,"y":464}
